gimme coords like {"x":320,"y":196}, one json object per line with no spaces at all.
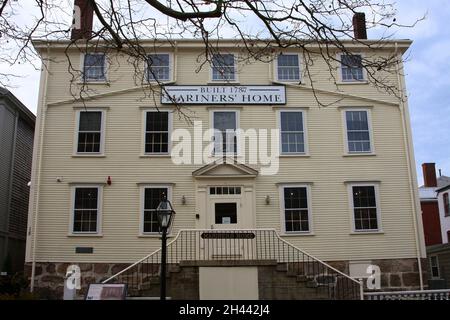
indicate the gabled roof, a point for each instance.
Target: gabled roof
{"x":225,"y":168}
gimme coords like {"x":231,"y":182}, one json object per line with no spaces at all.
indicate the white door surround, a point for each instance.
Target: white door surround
{"x":218,"y":187}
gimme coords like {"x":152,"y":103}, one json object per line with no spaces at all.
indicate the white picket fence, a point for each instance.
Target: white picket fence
{"x":409,"y":295}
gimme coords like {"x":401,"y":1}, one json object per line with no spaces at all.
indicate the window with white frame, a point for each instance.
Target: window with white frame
{"x":157,"y":124}
{"x":365,"y":208}
{"x":288,"y":67}
{"x":94,"y":67}
{"x":434,"y":266}
{"x":89,"y":138}
{"x":292,"y":132}
{"x":225,"y":126}
{"x":352,"y":68}
{"x":358,"y":131}
{"x":446,"y":199}
{"x":295,"y":209}
{"x":158,"y":67}
{"x":223,"y":67}
{"x":86,"y":211}
{"x":153,"y":195}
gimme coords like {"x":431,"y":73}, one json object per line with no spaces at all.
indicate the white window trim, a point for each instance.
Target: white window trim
{"x":305,"y":132}
{"x":102,"y":134}
{"x":369,"y":124}
{"x":238,"y":136}
{"x":93,"y":81}
{"x":171,"y":68}
{"x":431,"y":267}
{"x":282,"y":209}
{"x":342,"y":81}
{"x":352,"y":208}
{"x":99,"y":210}
{"x":300,"y":71}
{"x":236,"y":76}
{"x":169,"y":136}
{"x":142,"y":206}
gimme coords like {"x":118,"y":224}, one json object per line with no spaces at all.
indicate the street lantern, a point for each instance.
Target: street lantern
{"x":164,"y":213}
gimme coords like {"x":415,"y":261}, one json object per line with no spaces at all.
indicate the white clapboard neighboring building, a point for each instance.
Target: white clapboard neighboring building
{"x":333,"y":193}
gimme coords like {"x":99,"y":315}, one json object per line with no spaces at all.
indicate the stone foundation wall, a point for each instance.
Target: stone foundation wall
{"x":396,"y":275}
{"x":183,"y":281}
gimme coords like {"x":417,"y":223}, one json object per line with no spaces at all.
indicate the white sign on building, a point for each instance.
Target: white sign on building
{"x":228,"y":94}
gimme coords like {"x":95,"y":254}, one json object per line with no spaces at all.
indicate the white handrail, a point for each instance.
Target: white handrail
{"x":318,"y":260}
{"x":395,"y":293}
{"x":139,"y":261}
{"x":180,"y":231}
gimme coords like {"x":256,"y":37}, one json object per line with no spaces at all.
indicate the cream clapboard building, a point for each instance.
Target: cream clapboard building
{"x":344,"y":190}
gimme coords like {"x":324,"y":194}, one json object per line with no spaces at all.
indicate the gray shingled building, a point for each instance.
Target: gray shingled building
{"x":16,"y":149}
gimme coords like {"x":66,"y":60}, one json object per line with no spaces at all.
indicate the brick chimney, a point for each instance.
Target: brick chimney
{"x":359,"y":25}
{"x":83,"y":16}
{"x":429,"y":174}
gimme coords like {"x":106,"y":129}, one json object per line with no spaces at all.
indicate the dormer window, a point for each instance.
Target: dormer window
{"x":223,"y":67}
{"x":94,"y":67}
{"x":352,"y":68}
{"x":158,"y":67}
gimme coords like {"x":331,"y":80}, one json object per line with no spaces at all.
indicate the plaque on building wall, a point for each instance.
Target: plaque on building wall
{"x":228,"y":94}
{"x":228,"y":235}
{"x":100,"y":291}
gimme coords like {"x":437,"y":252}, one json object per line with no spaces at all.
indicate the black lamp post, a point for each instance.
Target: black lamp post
{"x":165,"y":213}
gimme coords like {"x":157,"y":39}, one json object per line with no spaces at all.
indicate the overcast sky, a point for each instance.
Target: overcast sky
{"x":428,"y":80}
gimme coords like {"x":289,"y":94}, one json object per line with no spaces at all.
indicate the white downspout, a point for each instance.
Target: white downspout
{"x":38,"y":173}
{"x":410,"y":158}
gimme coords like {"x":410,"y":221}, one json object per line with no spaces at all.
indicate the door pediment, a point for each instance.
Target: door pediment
{"x":224,"y":168}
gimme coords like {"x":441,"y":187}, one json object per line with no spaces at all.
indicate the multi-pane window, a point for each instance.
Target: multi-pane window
{"x":446,"y":199}
{"x":157,"y":132}
{"x":365,"y":211}
{"x":358,"y":132}
{"x":94,"y":68}
{"x":352,"y":68}
{"x":89,"y":132}
{"x":434,"y":266}
{"x":296,"y":212}
{"x":224,"y":190}
{"x":288,"y":67}
{"x":225,"y":125}
{"x":292,"y":132}
{"x":223,"y":67}
{"x":152,"y":197}
{"x":86,"y":210}
{"x":158,"y":67}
